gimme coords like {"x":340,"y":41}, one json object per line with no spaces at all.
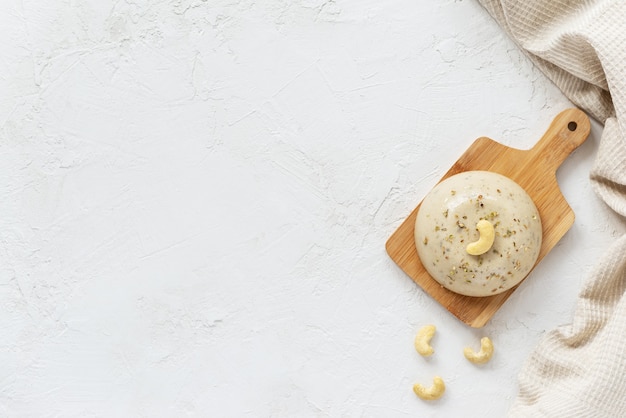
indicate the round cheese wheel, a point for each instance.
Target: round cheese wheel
{"x":446,"y":224}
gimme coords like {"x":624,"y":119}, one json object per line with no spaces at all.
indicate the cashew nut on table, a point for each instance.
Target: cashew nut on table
{"x":422,"y":340}
{"x":422,"y":345}
{"x":485,"y":241}
{"x":434,"y":392}
{"x":483,"y":356}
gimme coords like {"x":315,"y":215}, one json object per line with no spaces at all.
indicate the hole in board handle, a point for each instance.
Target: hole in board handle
{"x":572,"y":126}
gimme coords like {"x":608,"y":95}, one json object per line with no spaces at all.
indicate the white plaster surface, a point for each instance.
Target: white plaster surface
{"x":196,"y":194}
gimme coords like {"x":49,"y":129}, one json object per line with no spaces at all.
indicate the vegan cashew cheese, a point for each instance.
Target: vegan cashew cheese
{"x":478,"y":233}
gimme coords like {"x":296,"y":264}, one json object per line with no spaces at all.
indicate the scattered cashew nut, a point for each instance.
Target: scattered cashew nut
{"x":484,"y":243}
{"x":422,"y":340}
{"x":483,"y":356}
{"x":431,"y":393}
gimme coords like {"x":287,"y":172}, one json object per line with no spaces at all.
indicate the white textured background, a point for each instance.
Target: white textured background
{"x":195,"y":197}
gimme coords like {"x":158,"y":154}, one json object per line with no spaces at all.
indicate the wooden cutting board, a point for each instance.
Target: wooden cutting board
{"x":534,"y":170}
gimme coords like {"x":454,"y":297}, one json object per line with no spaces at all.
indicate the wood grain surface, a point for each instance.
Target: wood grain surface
{"x":534,"y":170}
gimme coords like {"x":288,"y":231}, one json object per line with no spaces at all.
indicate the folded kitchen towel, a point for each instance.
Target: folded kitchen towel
{"x":579,"y":370}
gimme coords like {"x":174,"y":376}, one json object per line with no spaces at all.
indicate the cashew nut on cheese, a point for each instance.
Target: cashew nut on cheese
{"x":485,"y":353}
{"x":422,"y":340}
{"x":484,"y":243}
{"x":431,"y":393}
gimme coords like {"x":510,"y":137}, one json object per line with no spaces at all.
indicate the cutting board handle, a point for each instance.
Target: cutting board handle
{"x":567,"y":131}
